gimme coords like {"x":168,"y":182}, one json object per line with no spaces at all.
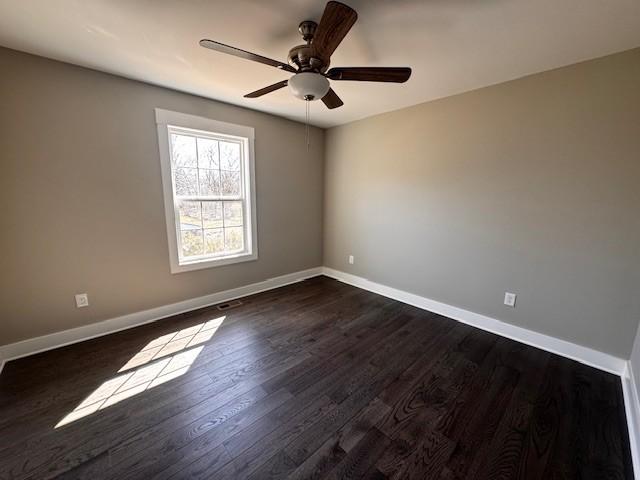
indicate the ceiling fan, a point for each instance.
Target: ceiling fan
{"x":309,"y":63}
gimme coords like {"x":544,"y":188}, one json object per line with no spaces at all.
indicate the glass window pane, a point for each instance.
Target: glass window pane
{"x":208,"y":153}
{"x":191,"y":243}
{"x":205,"y":171}
{"x":233,"y":238}
{"x":190,"y":216}
{"x":230,"y":182}
{"x":233,"y":214}
{"x":186,"y":181}
{"x":209,"y":182}
{"x":212,"y":214}
{"x":183,"y":151}
{"x":230,"y":156}
{"x":214,"y":241}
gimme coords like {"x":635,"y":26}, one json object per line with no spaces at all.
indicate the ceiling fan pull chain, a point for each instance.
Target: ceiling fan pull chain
{"x":307,"y":116}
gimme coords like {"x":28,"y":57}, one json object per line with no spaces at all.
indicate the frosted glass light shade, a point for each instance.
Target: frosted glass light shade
{"x":308,"y":86}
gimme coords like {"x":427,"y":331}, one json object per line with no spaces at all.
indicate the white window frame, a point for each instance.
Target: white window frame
{"x":165,"y":120}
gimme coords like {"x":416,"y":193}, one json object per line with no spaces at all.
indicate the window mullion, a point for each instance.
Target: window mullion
{"x":198,"y":189}
{"x":189,"y":198}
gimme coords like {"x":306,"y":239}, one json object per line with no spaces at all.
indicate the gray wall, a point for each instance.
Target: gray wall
{"x":531,"y":186}
{"x":82,"y":200}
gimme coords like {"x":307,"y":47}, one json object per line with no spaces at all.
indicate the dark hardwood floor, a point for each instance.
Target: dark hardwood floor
{"x":314,"y":380}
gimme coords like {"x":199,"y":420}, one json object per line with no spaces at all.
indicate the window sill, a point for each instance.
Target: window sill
{"x":203,"y":264}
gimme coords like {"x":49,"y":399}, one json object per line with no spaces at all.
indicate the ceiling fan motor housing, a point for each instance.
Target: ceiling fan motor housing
{"x":308,"y":86}
{"x":305,"y":58}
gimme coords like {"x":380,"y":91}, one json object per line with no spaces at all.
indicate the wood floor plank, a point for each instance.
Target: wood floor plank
{"x":156,"y":448}
{"x":192,"y":457}
{"x":333,"y":450}
{"x":360,"y":461}
{"x":478,"y":432}
{"x":319,"y":463}
{"x":508,"y":446}
{"x":428,"y":459}
{"x":314,"y":380}
{"x":262,"y":447}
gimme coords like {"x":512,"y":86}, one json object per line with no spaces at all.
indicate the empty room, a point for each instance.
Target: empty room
{"x":310,"y":239}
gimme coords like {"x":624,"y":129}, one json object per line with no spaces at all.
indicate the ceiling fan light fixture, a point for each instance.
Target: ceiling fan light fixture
{"x":308,"y":86}
{"x":309,"y":62}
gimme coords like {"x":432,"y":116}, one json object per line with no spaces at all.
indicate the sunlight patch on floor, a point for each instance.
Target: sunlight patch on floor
{"x":163,"y":359}
{"x":174,"y":342}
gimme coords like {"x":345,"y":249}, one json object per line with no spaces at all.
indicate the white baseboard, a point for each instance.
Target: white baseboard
{"x":67,"y":337}
{"x":588,"y":356}
{"x":632,"y":411}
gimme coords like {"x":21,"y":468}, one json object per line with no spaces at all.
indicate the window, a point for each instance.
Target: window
{"x":207,"y":177}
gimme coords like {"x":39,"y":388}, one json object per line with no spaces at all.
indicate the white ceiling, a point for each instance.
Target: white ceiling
{"x":452,"y":45}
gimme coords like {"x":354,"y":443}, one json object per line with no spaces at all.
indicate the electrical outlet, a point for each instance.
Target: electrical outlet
{"x":82,"y":300}
{"x":351,"y":260}
{"x":510,"y":299}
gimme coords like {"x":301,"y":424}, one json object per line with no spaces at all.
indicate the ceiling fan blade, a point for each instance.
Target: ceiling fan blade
{"x":332,"y":100}
{"x":237,"y":52}
{"x":370,"y":74}
{"x":334,"y":25}
{"x":269,"y":89}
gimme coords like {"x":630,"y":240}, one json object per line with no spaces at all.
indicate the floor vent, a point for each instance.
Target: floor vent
{"x":229,"y":305}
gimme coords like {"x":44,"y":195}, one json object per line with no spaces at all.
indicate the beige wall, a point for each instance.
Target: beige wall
{"x":82,"y":201}
{"x":531,"y":186}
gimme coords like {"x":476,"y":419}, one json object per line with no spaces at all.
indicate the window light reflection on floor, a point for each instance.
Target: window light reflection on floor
{"x":163,"y":359}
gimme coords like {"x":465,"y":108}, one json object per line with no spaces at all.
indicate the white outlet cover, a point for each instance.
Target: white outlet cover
{"x":510,"y":299}
{"x":351,"y":260}
{"x":82,"y":300}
